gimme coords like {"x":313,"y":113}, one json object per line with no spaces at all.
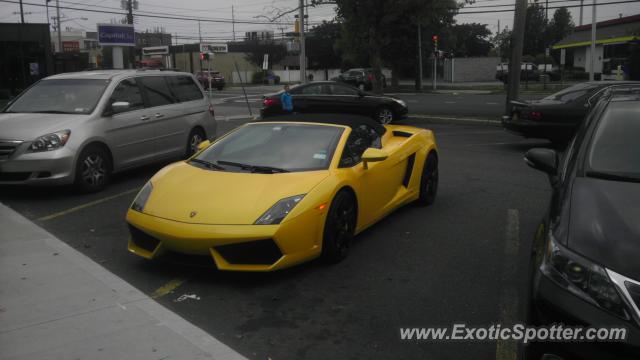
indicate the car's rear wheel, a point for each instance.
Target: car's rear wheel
{"x":384,"y":115}
{"x":93,"y":169}
{"x":339,"y":227}
{"x":196,"y":136}
{"x":429,"y":181}
{"x":362,"y":87}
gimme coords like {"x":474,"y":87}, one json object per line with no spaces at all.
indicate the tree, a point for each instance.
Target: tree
{"x":322,"y":41}
{"x":502,"y":43}
{"x":535,"y":30}
{"x":466,"y":40}
{"x":560,"y":26}
{"x":387,"y":29}
{"x":255,"y":50}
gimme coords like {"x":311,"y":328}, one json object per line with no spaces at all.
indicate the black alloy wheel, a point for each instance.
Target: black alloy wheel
{"x":339,"y":228}
{"x":429,"y":181}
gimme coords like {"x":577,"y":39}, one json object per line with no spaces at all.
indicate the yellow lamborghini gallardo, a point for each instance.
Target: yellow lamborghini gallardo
{"x":269,"y":195}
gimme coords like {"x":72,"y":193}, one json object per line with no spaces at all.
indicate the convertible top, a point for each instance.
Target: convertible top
{"x":337,"y":119}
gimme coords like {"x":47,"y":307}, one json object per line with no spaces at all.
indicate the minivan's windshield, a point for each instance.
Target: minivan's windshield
{"x":615,"y":150}
{"x":273,"y":147}
{"x":571,"y":93}
{"x":60,"y":96}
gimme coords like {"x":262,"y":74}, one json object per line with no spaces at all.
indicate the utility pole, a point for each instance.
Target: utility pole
{"x":303,"y":55}
{"x":233,"y":23}
{"x":546,"y":10}
{"x":46,"y":4}
{"x":581,"y":5}
{"x":21,"y":13}
{"x":419,"y":57}
{"x":593,"y":43}
{"x":517,"y":39}
{"x":131,"y":49}
{"x":200,"y":43}
{"x":58,"y":26}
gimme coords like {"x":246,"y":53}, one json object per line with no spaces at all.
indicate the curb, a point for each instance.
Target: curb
{"x":434,"y":119}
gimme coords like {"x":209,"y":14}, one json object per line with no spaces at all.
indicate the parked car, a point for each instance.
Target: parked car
{"x":585,"y":268}
{"x":286,"y":191}
{"x":270,"y":78}
{"x":360,"y":78}
{"x":217,"y":80}
{"x":528,"y":72}
{"x":556,"y":116}
{"x":335,"y":97}
{"x":81,"y":127}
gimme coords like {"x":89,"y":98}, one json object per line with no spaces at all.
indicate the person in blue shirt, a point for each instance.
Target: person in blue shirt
{"x":286,"y":100}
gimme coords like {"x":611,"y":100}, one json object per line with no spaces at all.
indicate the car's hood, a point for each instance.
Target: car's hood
{"x":28,"y":126}
{"x":223,"y":198}
{"x":605,"y":223}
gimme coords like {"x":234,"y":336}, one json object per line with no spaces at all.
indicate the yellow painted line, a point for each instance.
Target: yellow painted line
{"x":87,"y":205}
{"x":167,"y":288}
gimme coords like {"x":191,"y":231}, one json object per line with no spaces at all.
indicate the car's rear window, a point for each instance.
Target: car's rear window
{"x":573,"y":92}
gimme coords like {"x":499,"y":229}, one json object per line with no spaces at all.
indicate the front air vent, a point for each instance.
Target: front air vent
{"x":260,"y":252}
{"x":143,"y":240}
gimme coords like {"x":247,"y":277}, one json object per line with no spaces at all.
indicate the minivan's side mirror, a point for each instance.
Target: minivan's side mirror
{"x":203,"y":145}
{"x":119,"y":106}
{"x":543,"y":159}
{"x":373,"y":155}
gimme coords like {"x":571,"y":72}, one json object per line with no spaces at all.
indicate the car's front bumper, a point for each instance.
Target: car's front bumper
{"x":296,"y":240}
{"x":40,"y":168}
{"x":555,"y":304}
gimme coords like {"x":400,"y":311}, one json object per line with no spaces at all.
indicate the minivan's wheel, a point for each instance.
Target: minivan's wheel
{"x":429,"y":181}
{"x":340,"y":227}
{"x":362,"y":87}
{"x":93,"y":169}
{"x":196,"y":136}
{"x":384,"y":115}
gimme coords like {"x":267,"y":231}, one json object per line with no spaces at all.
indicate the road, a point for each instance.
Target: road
{"x":231,"y":102}
{"x":462,"y":260}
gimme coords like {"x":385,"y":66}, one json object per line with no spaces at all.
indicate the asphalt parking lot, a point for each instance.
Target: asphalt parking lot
{"x":462,"y":260}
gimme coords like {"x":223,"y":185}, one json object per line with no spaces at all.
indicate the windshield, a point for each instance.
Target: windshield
{"x":615,"y":149}
{"x":60,"y":96}
{"x":571,"y":93}
{"x":285,"y":146}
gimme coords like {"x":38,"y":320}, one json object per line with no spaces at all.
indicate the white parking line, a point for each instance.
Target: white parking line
{"x":449,"y":102}
{"x":508,"y":305}
{"x":492,"y":103}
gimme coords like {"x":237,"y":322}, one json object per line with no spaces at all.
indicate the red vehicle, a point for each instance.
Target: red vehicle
{"x":217,"y":80}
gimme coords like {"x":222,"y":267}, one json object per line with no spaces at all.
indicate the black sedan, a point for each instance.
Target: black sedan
{"x":335,"y":97}
{"x":556,"y":116}
{"x":585,"y":254}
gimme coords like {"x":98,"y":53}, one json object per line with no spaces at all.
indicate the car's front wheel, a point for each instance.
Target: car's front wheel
{"x":93,"y":169}
{"x":384,"y":115}
{"x":429,"y":181}
{"x":339,"y":227}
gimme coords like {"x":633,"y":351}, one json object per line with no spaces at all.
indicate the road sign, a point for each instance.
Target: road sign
{"x":116,"y":35}
{"x":155,"y":50}
{"x":265,"y":62}
{"x":214,"y":48}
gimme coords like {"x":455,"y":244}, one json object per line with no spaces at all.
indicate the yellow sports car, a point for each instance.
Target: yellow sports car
{"x":269,"y":195}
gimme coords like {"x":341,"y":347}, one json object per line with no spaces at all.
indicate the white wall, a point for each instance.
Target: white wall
{"x":582,"y":58}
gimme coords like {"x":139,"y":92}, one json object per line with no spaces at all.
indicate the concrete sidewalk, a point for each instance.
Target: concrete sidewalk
{"x":56,"y":303}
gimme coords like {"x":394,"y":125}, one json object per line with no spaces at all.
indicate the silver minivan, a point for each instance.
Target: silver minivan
{"x":79,"y":128}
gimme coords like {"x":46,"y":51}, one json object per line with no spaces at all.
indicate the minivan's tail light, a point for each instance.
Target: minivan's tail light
{"x":370,"y":77}
{"x":535,"y":115}
{"x":212,"y":111}
{"x":268,"y":102}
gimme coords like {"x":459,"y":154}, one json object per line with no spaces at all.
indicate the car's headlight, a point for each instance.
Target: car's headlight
{"x":279,"y":211}
{"x":583,"y":278}
{"x":142,"y":198}
{"x":51,"y":141}
{"x":402,"y":103}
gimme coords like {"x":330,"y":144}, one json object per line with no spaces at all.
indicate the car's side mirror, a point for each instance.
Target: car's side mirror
{"x":203,"y":145}
{"x":373,"y":155}
{"x":543,"y":159}
{"x":120,"y":106}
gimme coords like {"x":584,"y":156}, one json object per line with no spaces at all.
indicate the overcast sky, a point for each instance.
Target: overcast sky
{"x":255,"y":10}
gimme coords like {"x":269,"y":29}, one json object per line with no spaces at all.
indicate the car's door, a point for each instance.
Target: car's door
{"x":130,"y":133}
{"x":318,"y":98}
{"x":347,"y":99}
{"x":190,"y":111}
{"x":163,"y":110}
{"x":299,"y":99}
{"x":377,"y":185}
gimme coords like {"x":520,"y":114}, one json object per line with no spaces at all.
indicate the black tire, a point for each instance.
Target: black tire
{"x":429,"y":181}
{"x":93,"y":169}
{"x":384,"y":115}
{"x":196,"y":136}
{"x":339,"y":227}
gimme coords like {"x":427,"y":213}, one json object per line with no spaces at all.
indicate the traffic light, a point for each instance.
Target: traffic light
{"x":435,"y":41}
{"x":204,"y":56}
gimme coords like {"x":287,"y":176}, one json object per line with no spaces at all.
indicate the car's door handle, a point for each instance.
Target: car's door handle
{"x":144,"y":118}
{"x":158,"y":115}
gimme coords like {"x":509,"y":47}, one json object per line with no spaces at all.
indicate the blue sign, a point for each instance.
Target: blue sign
{"x":116,"y":35}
